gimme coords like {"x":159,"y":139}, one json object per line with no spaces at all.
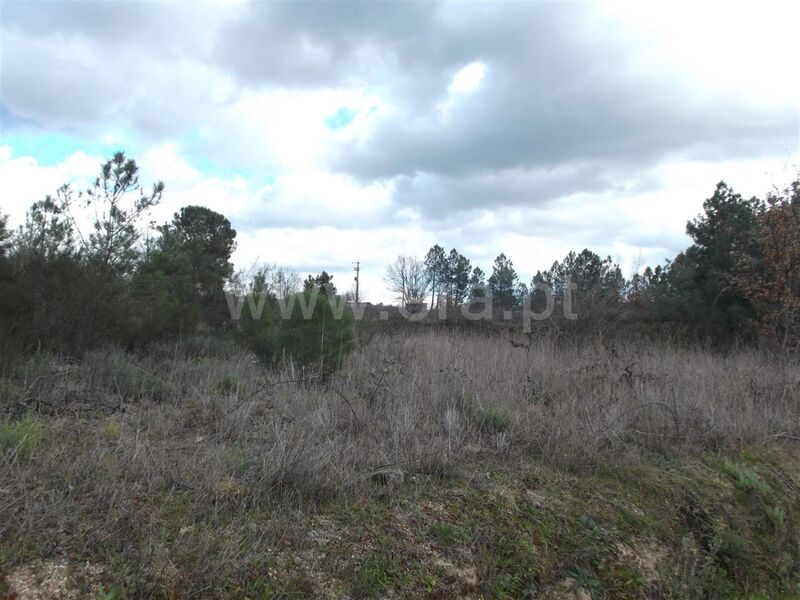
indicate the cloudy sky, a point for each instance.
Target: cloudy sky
{"x":330,"y":132}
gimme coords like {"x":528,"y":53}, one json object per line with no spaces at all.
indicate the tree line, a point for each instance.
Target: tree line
{"x":738,"y":280}
{"x":70,"y":283}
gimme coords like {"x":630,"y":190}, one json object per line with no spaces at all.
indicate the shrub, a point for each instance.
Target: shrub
{"x":745,"y":478}
{"x":777,"y":516}
{"x":324,"y":339}
{"x":491,"y":418}
{"x":21,"y":437}
{"x":228,"y":384}
{"x":320,"y":336}
{"x":118,"y":372}
{"x":256,"y":330}
{"x":111,"y":430}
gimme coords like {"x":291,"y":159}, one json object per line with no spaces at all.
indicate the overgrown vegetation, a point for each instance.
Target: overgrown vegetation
{"x":19,"y":438}
{"x":71,"y":290}
{"x":738,"y":282}
{"x":505,"y":471}
{"x":170,"y":427}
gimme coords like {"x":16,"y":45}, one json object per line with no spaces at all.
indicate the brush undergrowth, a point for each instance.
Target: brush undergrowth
{"x":606,"y":472}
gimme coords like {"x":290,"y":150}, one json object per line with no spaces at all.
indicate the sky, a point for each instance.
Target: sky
{"x":336,"y":131}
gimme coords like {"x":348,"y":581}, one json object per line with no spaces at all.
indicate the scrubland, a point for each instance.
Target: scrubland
{"x":433,"y":464}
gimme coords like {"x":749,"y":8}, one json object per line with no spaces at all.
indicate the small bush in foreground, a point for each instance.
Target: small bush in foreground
{"x":745,"y":479}
{"x":312,"y":329}
{"x":21,"y":437}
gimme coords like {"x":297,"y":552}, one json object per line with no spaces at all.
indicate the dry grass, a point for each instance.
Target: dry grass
{"x":186,"y":471}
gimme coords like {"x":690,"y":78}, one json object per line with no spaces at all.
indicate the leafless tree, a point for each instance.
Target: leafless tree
{"x":266,"y":278}
{"x":286,"y":281}
{"x":407,"y":278}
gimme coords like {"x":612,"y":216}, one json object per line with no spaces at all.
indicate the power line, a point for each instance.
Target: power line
{"x":357,"y":269}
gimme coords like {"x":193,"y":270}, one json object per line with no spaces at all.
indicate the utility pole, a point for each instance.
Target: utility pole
{"x":357,"y":268}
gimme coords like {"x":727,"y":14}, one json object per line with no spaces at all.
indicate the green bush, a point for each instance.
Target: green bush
{"x":167,"y":299}
{"x":256,"y":330}
{"x":490,"y":418}
{"x":448,"y":534}
{"x":228,"y":384}
{"x":319,"y":336}
{"x":495,"y":418}
{"x":777,"y":516}
{"x":322,"y":339}
{"x":745,"y":479}
{"x":486,"y":417}
{"x":21,"y":437}
{"x":133,"y":378}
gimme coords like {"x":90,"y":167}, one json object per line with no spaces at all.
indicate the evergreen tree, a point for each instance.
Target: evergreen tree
{"x":119,"y":203}
{"x":477,"y":284}
{"x":436,"y":268}
{"x":198,"y":244}
{"x":323,"y":281}
{"x":5,"y":235}
{"x":457,"y":278}
{"x":728,"y":227}
{"x":503,"y":283}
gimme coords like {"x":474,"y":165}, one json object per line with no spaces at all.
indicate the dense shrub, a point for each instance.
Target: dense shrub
{"x":322,"y":336}
{"x":309,"y":328}
{"x":256,"y":326}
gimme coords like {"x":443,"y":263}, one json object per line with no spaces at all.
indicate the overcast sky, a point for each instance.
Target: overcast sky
{"x":329,"y":132}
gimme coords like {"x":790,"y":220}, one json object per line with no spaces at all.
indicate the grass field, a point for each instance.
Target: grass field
{"x":433,"y":465}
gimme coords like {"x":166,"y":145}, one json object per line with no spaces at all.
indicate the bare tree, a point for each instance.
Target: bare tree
{"x":408,"y":279}
{"x":286,"y":281}
{"x":266,"y":278}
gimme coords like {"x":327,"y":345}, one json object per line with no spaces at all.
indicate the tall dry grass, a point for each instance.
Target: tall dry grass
{"x":196,"y":455}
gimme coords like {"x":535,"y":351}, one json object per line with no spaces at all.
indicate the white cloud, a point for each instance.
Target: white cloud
{"x":313,"y":220}
{"x":24,"y":181}
{"x":744,"y":48}
{"x":274,"y":130}
{"x":465,"y":82}
{"x":525,"y":128}
{"x":467,"y":79}
{"x":311,"y":196}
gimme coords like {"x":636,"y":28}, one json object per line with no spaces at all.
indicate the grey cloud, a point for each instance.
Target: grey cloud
{"x":442,"y":196}
{"x":558,"y":91}
{"x":561,"y":110}
{"x":81,"y":64}
{"x":162,"y":28}
{"x":567,"y":101}
{"x":66,"y":84}
{"x":317,"y":43}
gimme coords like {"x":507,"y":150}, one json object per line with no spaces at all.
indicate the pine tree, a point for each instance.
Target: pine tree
{"x":503,"y":283}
